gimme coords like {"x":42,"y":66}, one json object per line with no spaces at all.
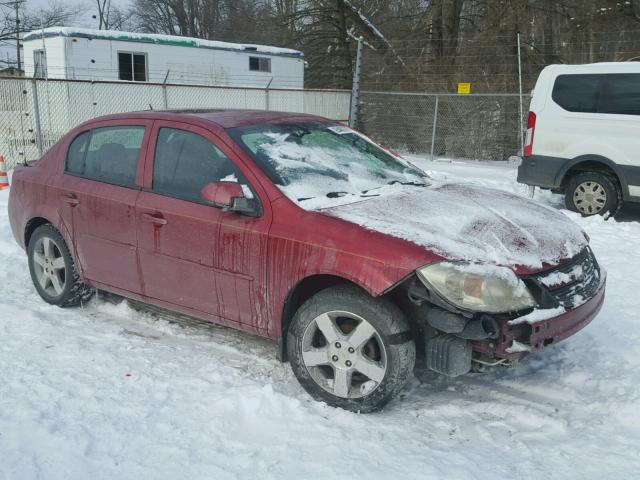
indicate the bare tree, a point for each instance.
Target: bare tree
{"x":56,"y":13}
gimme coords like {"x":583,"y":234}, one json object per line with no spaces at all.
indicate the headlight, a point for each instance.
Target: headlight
{"x":480,"y":288}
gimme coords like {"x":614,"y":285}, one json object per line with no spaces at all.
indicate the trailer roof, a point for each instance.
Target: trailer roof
{"x":158,"y":39}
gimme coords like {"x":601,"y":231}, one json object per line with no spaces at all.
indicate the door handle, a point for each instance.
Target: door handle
{"x":156,"y":220}
{"x":71,"y":199}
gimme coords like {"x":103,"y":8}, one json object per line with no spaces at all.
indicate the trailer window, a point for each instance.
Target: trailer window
{"x":132,"y":66}
{"x":259,"y":64}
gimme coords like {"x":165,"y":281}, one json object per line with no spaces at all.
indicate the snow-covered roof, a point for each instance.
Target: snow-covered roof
{"x":158,"y":39}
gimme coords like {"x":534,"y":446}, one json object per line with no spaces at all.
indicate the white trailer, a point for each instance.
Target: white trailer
{"x":86,"y":54}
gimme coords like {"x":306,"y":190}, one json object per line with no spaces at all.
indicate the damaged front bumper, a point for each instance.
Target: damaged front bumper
{"x":520,"y":338}
{"x":568,"y":297}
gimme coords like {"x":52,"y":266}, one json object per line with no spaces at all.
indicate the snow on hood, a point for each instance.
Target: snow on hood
{"x":465,"y":222}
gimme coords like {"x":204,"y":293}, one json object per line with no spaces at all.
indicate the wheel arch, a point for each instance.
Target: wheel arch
{"x":31,"y":226}
{"x":300,"y":293}
{"x":594,"y":163}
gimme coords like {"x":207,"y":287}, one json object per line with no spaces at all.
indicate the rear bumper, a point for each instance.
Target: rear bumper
{"x":538,"y":335}
{"x":541,"y":171}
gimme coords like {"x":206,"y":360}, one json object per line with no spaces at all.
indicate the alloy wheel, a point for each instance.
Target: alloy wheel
{"x":49,"y":266}
{"x":344,"y":354}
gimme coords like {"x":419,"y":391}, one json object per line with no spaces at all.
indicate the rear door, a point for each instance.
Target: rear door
{"x":194,"y":255}
{"x":98,"y":191}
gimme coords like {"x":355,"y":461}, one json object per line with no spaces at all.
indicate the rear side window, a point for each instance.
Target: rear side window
{"x":617,"y":93}
{"x":577,"y":93}
{"x":185,"y":162}
{"x":620,"y":94}
{"x":76,"y":153}
{"x":108,"y":154}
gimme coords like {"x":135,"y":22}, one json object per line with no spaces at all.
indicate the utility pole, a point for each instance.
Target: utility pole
{"x":17,"y":6}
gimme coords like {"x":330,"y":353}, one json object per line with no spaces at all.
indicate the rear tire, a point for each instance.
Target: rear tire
{"x":52,"y":269}
{"x":350,"y":350}
{"x":593,"y":193}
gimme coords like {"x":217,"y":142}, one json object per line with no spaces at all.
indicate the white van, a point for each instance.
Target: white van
{"x":583,"y":135}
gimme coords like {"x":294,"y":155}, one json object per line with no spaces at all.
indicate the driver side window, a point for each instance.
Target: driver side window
{"x":185,"y":162}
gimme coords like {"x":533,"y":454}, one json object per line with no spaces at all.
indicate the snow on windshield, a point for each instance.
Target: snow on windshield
{"x":320,"y":162}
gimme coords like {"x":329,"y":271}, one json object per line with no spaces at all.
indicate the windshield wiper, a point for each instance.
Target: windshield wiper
{"x":415,"y":184}
{"x":329,"y":195}
{"x":396,"y":182}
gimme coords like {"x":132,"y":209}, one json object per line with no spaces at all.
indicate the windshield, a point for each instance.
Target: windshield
{"x":315,"y":160}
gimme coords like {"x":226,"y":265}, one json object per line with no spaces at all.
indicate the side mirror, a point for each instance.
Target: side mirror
{"x":230,"y":197}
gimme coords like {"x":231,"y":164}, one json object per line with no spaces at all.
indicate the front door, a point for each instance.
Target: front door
{"x":98,"y":192}
{"x":192,"y":254}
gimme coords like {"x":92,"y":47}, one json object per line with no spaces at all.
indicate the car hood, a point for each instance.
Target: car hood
{"x":466,"y":222}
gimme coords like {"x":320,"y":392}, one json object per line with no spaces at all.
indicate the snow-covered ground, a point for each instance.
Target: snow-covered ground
{"x":107,"y":392}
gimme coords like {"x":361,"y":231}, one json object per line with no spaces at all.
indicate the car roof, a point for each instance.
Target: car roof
{"x":224,"y":118}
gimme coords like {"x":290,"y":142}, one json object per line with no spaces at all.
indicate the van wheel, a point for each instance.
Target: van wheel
{"x":592,"y":193}
{"x":52,"y":269}
{"x":351,"y":350}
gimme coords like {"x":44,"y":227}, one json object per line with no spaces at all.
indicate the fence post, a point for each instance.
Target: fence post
{"x":355,"y":88}
{"x":36,"y":114}
{"x":435,"y":125}
{"x":521,"y":107}
{"x":266,"y":95}
{"x":165,"y":101}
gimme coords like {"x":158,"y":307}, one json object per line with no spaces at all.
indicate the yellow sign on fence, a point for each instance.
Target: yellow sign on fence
{"x":464,"y":88}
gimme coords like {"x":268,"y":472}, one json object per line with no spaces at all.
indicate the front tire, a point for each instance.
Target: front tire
{"x":592,"y":193}
{"x":52,"y":269}
{"x":350,"y":350}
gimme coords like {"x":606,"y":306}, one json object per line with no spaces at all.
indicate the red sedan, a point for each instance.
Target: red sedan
{"x":298,"y":228}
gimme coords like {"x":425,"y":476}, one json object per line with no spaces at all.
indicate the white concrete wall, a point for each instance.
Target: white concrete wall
{"x":98,"y":60}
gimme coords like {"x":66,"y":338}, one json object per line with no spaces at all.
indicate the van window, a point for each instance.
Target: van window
{"x":577,"y":93}
{"x":599,"y":93}
{"x":620,"y":94}
{"x":108,"y":154}
{"x":185,"y":162}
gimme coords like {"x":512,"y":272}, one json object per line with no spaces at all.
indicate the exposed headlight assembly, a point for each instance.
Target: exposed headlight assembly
{"x":476,"y":287}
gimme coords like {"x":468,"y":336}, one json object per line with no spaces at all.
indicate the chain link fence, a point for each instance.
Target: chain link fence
{"x":473,"y":126}
{"x":36,"y":113}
